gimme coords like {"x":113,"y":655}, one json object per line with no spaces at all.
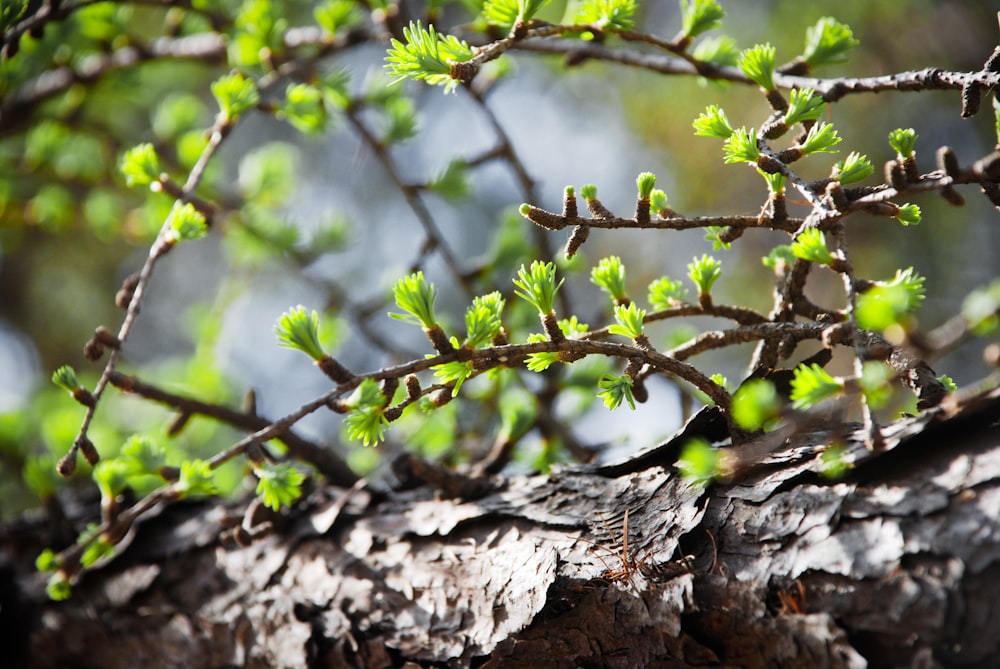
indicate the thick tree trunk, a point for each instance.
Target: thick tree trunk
{"x":895,"y":564}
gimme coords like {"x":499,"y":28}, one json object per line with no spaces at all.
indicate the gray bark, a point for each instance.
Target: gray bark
{"x":895,"y":564}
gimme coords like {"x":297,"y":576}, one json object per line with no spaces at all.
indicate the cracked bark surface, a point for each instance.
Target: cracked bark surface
{"x":895,"y":564}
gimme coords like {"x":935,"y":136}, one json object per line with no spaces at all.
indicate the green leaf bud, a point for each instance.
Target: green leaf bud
{"x":299,"y":329}
{"x":235,"y":94}
{"x":803,"y":105}
{"x":645,"y":183}
{"x":811,"y":385}
{"x":704,"y":272}
{"x":828,"y":42}
{"x":664,"y":293}
{"x":756,"y":405}
{"x":700,"y":16}
{"x":416,"y":297}
{"x":196,"y":479}
{"x":855,"y":167}
{"x":909,"y":214}
{"x":820,"y":139}
{"x":186,"y":223}
{"x":427,"y":56}
{"x":278,"y":485}
{"x":538,"y":286}
{"x":614,"y":389}
{"x":741,"y":147}
{"x":141,"y":165}
{"x":629,"y":321}
{"x":609,"y":274}
{"x":713,"y":122}
{"x":699,"y":462}
{"x":903,"y":142}
{"x":811,"y":246}
{"x":757,"y":63}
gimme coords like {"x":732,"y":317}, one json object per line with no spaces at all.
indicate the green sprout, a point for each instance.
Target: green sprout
{"x":756,"y":405}
{"x":712,"y":234}
{"x":981,"y":309}
{"x":882,"y":307}
{"x":607,"y":14}
{"x":366,"y":421}
{"x":903,"y":142}
{"x":948,"y":383}
{"x":141,"y":165}
{"x":803,"y":105}
{"x":775,"y":181}
{"x":811,"y":385}
{"x":811,"y":246}
{"x":303,"y":108}
{"x":908,"y":214}
{"x":630,"y":320}
{"x":427,"y":56}
{"x":704,"y":272}
{"x":875,"y":382}
{"x":58,"y":587}
{"x":235,"y":94}
{"x":588,"y":192}
{"x":658,"y":201}
{"x":757,"y":63}
{"x":572,"y":327}
{"x":780,"y":254}
{"x":196,"y":479}
{"x":65,"y":378}
{"x":112,"y":476}
{"x":455,"y":372}
{"x":505,"y":13}
{"x":539,"y":362}
{"x":889,"y":303}
{"x":645,"y":183}
{"x":609,"y":274}
{"x":279,"y":484}
{"x":699,"y":462}
{"x":855,"y":167}
{"x":299,"y":329}
{"x":185,"y":224}
{"x":48,"y":560}
{"x":741,"y":147}
{"x":914,"y":285}
{"x":452,"y":183}
{"x":482,"y":319}
{"x":400,"y":121}
{"x":416,"y":297}
{"x":721,"y":51}
{"x":828,"y":42}
{"x":833,"y":463}
{"x":664,"y":293}
{"x":713,"y":122}
{"x":700,"y":16}
{"x":538,"y":286}
{"x":333,"y":15}
{"x":142,"y":455}
{"x":614,"y":389}
{"x":820,"y":139}
{"x":96,"y":550}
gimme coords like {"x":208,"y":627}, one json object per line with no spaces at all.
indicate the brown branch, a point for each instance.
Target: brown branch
{"x":323,"y":458}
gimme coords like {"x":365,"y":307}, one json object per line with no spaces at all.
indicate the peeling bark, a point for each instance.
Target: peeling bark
{"x":895,"y":564}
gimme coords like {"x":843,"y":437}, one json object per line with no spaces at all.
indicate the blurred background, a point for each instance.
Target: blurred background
{"x":325,"y":227}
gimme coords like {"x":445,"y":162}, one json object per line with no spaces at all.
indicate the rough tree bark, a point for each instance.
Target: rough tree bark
{"x":895,"y":564}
